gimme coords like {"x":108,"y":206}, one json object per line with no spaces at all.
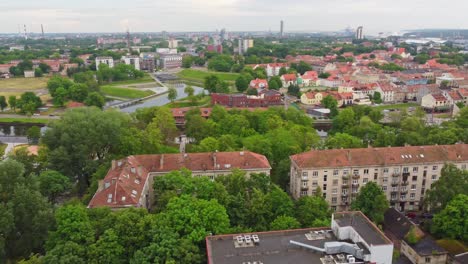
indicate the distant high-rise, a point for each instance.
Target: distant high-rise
{"x":42,"y":30}
{"x":359,"y":34}
{"x":244,"y":45}
{"x":282,"y":28}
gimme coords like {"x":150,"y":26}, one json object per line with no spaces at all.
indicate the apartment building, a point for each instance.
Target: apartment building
{"x":129,"y":182}
{"x":404,"y":173}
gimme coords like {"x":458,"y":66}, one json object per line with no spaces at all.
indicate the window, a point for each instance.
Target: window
{"x":212,"y":177}
{"x":396,"y":170}
{"x":413,"y":186}
{"x":324,"y":196}
{"x":394,"y":189}
{"x":405,"y":169}
{"x":324,"y":178}
{"x":345,"y":172}
{"x":415,"y":169}
{"x":412,"y":196}
{"x":355,"y":181}
{"x":333,"y":208}
{"x":334,"y":191}
{"x":384,"y":188}
{"x":385,"y":180}
{"x":304,"y":173}
{"x":304,"y":184}
{"x":385,"y":170}
{"x":403,"y":196}
{"x":344,"y":191}
{"x":344,"y":199}
{"x":434,"y":167}
{"x":375,"y":176}
{"x":366,"y":171}
{"x":415,"y":178}
{"x":355,"y":172}
{"x":365,"y":180}
{"x":434,"y":177}
{"x":334,"y":200}
{"x":335,"y":182}
{"x":428,"y":260}
{"x":315,"y":174}
{"x":336,"y":172}
{"x":463,"y":167}
{"x":425,"y":173}
{"x":324,"y":187}
{"x":393,"y":196}
{"x":314,"y":183}
{"x":303,"y":193}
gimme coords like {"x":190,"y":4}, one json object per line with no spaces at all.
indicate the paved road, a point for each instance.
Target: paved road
{"x":9,"y":139}
{"x":32,"y":117}
{"x":9,"y":148}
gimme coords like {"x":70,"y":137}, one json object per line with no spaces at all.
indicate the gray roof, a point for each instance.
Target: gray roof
{"x":274,"y":248}
{"x":365,"y":228}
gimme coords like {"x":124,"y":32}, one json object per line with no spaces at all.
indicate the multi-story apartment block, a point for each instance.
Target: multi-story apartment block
{"x":104,"y":60}
{"x":404,"y":173}
{"x":129,"y":182}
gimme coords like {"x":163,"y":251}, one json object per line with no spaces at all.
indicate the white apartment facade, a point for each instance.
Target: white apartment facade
{"x":104,"y":60}
{"x":404,"y":173}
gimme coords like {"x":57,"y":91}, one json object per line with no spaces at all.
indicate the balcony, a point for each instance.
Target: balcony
{"x":345,"y":177}
{"x":404,"y":191}
{"x":393,"y":192}
{"x":395,"y":183}
{"x":306,"y":188}
{"x":404,"y":183}
{"x":356,"y":176}
{"x":355,"y":185}
{"x":344,"y":195}
{"x":396,"y":175}
{"x":393,"y":199}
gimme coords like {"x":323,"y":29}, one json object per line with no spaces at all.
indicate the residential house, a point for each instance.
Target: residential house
{"x":331,"y":82}
{"x":289,"y":79}
{"x":422,"y":251}
{"x":309,"y":78}
{"x":132,"y":60}
{"x":387,"y":92}
{"x":259,"y":84}
{"x":436,"y":102}
{"x":265,"y":98}
{"x":129,"y":182}
{"x":104,"y":60}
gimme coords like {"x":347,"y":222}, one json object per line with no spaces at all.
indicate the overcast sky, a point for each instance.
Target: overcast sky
{"x":234,"y":15}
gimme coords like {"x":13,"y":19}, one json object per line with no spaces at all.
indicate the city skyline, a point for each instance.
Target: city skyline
{"x":234,"y":15}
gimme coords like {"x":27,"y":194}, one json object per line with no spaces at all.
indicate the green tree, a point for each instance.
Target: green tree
{"x":343,"y":140}
{"x":371,"y":201}
{"x":377,"y":98}
{"x":451,"y":183}
{"x":98,"y":134}
{"x":12,"y":102}
{"x":211,"y":82}
{"x":344,"y":120}
{"x":241,"y":84}
{"x":330,"y":102}
{"x":196,"y":218}
{"x":67,"y":253}
{"x":172,"y":95}
{"x":29,"y":102}
{"x":25,"y":215}
{"x":107,"y":249}
{"x":187,"y":62}
{"x":312,"y":211}
{"x":34,"y":134}
{"x":284,"y":223}
{"x":95,"y":99}
{"x":252,"y":91}
{"x":283,"y":71}
{"x":60,"y":96}
{"x":3,"y":103}
{"x":78,"y":92}
{"x":452,"y":222}
{"x":52,"y":184}
{"x":273,"y":85}
{"x":209,"y":144}
{"x":38,"y":72}
{"x":189,"y":90}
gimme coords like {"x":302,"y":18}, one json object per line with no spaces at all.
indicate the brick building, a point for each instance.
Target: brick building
{"x":265,"y":98}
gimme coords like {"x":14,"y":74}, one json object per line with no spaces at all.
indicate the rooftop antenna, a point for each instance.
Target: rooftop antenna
{"x":42,"y":30}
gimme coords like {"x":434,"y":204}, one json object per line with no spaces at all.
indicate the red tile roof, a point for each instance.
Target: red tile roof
{"x":439,"y":97}
{"x":259,"y":83}
{"x":125,"y":182}
{"x":289,"y":77}
{"x":381,"y":156}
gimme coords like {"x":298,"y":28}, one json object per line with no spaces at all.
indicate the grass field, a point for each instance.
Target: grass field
{"x":124,"y":92}
{"x":24,"y":83}
{"x":2,"y":149}
{"x":145,"y":79}
{"x":25,"y":120}
{"x":204,"y":102}
{"x":197,"y":75}
{"x":396,"y":106}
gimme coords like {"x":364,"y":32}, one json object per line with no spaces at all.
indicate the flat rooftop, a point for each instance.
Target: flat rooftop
{"x":273,"y":248}
{"x":363,"y":226}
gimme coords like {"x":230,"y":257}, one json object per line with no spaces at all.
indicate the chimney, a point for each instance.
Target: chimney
{"x":161,"y":162}
{"x":140,"y":170}
{"x":349,"y":155}
{"x":113,"y":164}
{"x":214,"y":159}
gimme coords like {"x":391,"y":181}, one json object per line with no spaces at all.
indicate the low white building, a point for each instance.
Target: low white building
{"x":435,"y":102}
{"x":387,"y":92}
{"x":104,"y":60}
{"x":132,"y":60}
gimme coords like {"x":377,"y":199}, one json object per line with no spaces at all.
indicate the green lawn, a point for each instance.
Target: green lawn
{"x":396,"y":106}
{"x":197,"y":75}
{"x":24,"y":83}
{"x":146,"y":79}
{"x":24,"y":120}
{"x":124,"y":92}
{"x":204,"y":102}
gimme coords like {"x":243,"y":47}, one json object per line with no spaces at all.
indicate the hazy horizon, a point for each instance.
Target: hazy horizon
{"x":234,"y":15}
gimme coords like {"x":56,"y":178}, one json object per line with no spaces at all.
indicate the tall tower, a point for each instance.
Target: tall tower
{"x":128,"y":39}
{"x":42,"y":30}
{"x":25,"y":32}
{"x":282,"y":28}
{"x":359,"y":33}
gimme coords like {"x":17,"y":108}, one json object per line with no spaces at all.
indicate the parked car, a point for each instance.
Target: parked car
{"x":411,"y":215}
